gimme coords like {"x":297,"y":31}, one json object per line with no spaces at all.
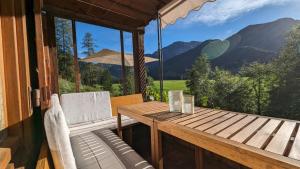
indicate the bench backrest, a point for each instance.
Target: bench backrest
{"x":125,"y":100}
{"x":86,"y":107}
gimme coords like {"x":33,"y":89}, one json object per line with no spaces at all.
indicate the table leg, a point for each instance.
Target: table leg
{"x":153,"y":152}
{"x":158,"y":147}
{"x":119,"y":130}
{"x":199,"y":161}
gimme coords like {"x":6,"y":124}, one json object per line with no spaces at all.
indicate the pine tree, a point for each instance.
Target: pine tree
{"x":88,"y":44}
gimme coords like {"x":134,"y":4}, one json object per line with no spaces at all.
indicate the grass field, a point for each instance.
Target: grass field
{"x":173,"y":85}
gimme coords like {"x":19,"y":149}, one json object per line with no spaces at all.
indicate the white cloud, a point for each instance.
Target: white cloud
{"x":221,"y":11}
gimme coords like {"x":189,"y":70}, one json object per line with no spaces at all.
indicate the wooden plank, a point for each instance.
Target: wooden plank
{"x":3,"y":110}
{"x":207,"y":119}
{"x":11,"y":62}
{"x":215,"y":122}
{"x":295,"y":150}
{"x":245,"y":133}
{"x":199,"y":116}
{"x":224,"y":124}
{"x":236,"y":127}
{"x":197,"y":113}
{"x":11,"y":166}
{"x":5,"y":157}
{"x":125,"y":100}
{"x":260,"y":138}
{"x":279,"y":142}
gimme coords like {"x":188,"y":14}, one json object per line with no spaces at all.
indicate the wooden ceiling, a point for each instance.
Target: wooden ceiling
{"x":126,"y":15}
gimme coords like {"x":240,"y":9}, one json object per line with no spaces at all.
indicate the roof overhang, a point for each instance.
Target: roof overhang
{"x":128,"y":15}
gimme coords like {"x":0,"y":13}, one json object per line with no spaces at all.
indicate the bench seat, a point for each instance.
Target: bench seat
{"x":104,"y":149}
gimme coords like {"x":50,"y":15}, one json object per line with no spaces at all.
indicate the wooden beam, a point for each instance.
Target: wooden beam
{"x":11,"y":62}
{"x":139,"y":62}
{"x":5,"y":157}
{"x":76,"y":65}
{"x":81,"y":8}
{"x":69,"y":14}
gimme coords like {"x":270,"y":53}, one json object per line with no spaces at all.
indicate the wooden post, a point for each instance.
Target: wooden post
{"x":119,"y":121}
{"x":76,"y":65}
{"x":52,"y":53}
{"x":123,"y":63}
{"x":41,"y":58}
{"x":139,"y":62}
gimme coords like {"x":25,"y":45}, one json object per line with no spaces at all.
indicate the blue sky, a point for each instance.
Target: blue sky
{"x":216,"y":20}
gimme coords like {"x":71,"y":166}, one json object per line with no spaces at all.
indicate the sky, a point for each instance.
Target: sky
{"x":215,"y":20}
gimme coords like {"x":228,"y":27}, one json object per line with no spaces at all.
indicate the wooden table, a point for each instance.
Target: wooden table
{"x":253,"y":141}
{"x":139,"y":112}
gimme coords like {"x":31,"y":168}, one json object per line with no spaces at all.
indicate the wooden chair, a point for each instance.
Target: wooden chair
{"x":125,"y":100}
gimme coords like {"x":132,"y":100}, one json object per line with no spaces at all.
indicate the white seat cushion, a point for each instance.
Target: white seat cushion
{"x":57,"y":133}
{"x":86,"y":107}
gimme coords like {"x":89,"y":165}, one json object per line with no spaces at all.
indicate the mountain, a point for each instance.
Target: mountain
{"x":254,"y":43}
{"x":176,"y":48}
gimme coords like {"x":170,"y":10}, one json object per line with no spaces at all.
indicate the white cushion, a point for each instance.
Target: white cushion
{"x":57,"y":133}
{"x":85,"y":107}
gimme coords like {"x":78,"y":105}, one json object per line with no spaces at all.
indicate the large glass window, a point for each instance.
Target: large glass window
{"x":99,"y":59}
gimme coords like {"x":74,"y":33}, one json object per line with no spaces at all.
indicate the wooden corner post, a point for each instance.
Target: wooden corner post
{"x":139,"y":62}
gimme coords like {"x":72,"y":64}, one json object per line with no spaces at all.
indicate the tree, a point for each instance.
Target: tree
{"x":106,"y":81}
{"x":260,"y":76}
{"x":129,"y":81}
{"x":88,"y":44}
{"x":198,"y":82}
{"x":232,"y":92}
{"x":63,"y":29}
{"x":285,"y":95}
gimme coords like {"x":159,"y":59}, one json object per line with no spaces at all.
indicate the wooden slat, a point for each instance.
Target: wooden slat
{"x":259,"y":139}
{"x":205,"y":120}
{"x":249,"y":130}
{"x":200,"y":116}
{"x":236,"y":127}
{"x":215,"y":122}
{"x":295,"y":151}
{"x":197,"y":113}
{"x":5,"y":157}
{"x":224,"y":124}
{"x":279,"y":142}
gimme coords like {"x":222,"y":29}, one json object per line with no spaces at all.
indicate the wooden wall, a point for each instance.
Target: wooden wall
{"x":16,"y":109}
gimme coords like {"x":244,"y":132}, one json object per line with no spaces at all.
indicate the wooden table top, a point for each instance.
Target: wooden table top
{"x":255,"y":141}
